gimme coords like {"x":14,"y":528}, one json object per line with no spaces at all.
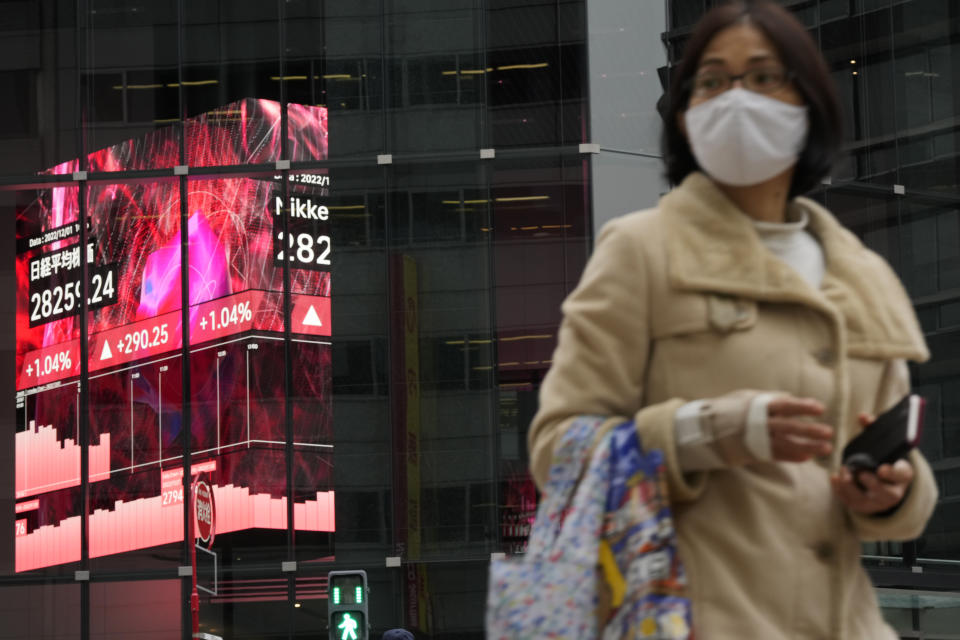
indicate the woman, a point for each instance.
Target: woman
{"x":750,"y":336}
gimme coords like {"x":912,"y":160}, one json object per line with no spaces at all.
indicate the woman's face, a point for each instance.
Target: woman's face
{"x":742,"y":49}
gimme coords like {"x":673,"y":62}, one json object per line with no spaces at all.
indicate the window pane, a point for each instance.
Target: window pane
{"x":436,"y":78}
{"x":46,"y":444}
{"x":351,"y":77}
{"x":231,"y":82}
{"x":928,"y":68}
{"x":40,"y":112}
{"x":25,"y":610}
{"x":129,"y":79}
{"x":147,"y":609}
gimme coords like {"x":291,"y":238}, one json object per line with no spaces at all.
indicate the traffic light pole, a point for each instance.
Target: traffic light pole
{"x":194,"y":594}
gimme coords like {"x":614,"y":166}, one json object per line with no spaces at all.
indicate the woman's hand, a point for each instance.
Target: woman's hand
{"x":881,"y":491}
{"x":792,"y":437}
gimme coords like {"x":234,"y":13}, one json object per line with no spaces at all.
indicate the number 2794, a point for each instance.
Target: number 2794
{"x":171,"y":496}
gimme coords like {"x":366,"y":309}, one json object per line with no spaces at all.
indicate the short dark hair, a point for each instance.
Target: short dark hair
{"x":810,"y":75}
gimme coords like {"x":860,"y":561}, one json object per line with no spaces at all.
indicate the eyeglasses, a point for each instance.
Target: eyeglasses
{"x":760,"y":80}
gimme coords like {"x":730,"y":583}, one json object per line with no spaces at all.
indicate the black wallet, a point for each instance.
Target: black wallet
{"x":888,"y":438}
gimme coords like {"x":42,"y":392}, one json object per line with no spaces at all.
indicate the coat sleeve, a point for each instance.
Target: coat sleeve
{"x":601,"y":360}
{"x":910,"y":517}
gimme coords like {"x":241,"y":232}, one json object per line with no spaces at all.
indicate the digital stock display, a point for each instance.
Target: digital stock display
{"x":237,"y":253}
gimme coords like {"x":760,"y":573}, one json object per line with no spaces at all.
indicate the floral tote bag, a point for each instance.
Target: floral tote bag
{"x":603,"y":525}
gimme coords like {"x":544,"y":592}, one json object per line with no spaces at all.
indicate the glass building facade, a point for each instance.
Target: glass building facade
{"x":381,"y":205}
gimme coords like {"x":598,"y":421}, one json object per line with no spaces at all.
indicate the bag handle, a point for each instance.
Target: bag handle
{"x":579,"y":538}
{"x":572,"y":489}
{"x":566,"y":468}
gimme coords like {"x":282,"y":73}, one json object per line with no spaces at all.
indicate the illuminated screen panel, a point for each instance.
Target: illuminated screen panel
{"x":47,"y":477}
{"x":248,"y":132}
{"x":237,"y":251}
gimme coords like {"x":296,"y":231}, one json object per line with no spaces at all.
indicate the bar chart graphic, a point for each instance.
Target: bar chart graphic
{"x":144,"y":523}
{"x":44,"y":463}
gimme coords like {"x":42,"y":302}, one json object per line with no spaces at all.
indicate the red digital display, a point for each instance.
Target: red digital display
{"x":237,"y":254}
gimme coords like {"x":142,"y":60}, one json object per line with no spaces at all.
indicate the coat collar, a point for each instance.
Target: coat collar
{"x":713,"y":246}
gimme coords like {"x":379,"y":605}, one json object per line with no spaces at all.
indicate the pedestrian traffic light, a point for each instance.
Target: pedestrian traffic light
{"x":347,"y":605}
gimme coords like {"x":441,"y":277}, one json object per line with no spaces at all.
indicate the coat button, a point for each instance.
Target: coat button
{"x":724,"y":316}
{"x":824,"y":551}
{"x":826,"y":356}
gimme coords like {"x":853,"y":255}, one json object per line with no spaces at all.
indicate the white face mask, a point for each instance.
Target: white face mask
{"x":742,"y":137}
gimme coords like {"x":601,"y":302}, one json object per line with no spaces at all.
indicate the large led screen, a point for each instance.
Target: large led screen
{"x":237,"y":251}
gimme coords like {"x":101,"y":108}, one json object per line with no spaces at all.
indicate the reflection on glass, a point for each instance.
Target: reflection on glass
{"x":405,"y":398}
{"x":230,"y":53}
{"x":129,"y":73}
{"x":26,"y":605}
{"x":47,"y":441}
{"x":136,"y":502}
{"x":238,"y":252}
{"x":535,"y":75}
{"x":246,"y":131}
{"x":873,"y":217}
{"x":47,"y":512}
{"x":150,"y":609}
{"x":924,"y":38}
{"x":135,"y":388}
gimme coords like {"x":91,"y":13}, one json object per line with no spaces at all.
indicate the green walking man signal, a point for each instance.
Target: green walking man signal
{"x":347,"y":605}
{"x":348,"y":626}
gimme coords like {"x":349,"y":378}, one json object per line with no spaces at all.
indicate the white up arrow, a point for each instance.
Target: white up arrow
{"x":312,"y":319}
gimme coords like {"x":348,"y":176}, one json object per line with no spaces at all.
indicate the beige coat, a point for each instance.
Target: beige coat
{"x":684,"y":302}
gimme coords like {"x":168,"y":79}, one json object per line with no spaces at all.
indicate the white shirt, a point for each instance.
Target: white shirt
{"x":794,"y":244}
